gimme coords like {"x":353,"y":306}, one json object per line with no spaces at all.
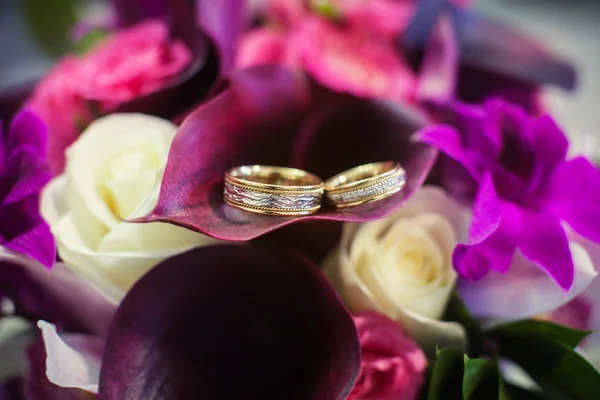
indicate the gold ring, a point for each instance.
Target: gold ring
{"x":364,"y":184}
{"x":273,"y":190}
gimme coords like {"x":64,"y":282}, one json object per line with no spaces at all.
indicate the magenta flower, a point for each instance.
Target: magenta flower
{"x":23,"y":173}
{"x":350,"y":48}
{"x":526,"y":189}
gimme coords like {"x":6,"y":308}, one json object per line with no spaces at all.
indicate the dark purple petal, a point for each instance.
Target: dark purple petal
{"x":12,"y":389}
{"x":543,"y":240}
{"x":58,"y":296}
{"x":222,"y":21}
{"x":130,"y":12}
{"x":575,"y":196}
{"x":494,"y":46}
{"x":195,"y":83}
{"x":256,"y":121}
{"x":231,"y":322}
{"x":492,"y":49}
{"x":477,"y":85}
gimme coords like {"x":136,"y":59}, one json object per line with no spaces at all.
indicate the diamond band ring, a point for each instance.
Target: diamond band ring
{"x":273,"y":190}
{"x":364,"y":184}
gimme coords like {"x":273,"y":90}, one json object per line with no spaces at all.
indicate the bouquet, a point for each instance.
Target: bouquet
{"x":296,"y":199}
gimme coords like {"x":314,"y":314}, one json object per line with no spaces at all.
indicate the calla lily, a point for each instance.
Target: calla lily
{"x":495,"y":59}
{"x":58,"y":296}
{"x":208,"y":305}
{"x":272,"y":116}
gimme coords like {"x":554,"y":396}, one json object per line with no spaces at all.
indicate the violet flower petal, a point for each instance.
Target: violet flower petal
{"x":472,"y":262}
{"x":256,"y":121}
{"x":575,"y":194}
{"x":543,"y":240}
{"x":487,"y":212}
{"x":231,"y":322}
{"x":23,"y":173}
{"x":57,"y":296}
{"x":524,"y":290}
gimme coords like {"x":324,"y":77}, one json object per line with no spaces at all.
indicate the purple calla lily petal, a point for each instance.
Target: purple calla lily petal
{"x":56,"y":296}
{"x":222,"y":21}
{"x":12,"y":389}
{"x":130,"y":12}
{"x":496,"y":47}
{"x":216,"y":332}
{"x":265,"y":114}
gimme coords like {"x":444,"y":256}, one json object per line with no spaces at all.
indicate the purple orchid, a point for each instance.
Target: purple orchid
{"x":526,"y":189}
{"x":23,"y":173}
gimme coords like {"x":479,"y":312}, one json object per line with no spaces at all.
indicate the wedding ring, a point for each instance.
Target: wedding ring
{"x":364,"y":184}
{"x":273,"y":190}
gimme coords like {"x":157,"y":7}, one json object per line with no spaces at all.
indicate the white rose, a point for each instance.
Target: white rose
{"x":113,"y":173}
{"x":401,"y":265}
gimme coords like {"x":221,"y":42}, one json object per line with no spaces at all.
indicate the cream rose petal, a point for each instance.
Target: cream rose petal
{"x":89,"y":160}
{"x":122,"y":180}
{"x":428,"y":332}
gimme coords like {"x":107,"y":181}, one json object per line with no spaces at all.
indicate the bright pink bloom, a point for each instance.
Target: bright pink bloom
{"x":350,"y":63}
{"x":392,"y":364}
{"x":135,"y":62}
{"x":56,"y":101}
{"x":352,"y":51}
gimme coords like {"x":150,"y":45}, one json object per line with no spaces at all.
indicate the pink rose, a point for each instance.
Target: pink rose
{"x":392,"y":365}
{"x":133,"y":62}
{"x":55,"y":99}
{"x":358,"y":56}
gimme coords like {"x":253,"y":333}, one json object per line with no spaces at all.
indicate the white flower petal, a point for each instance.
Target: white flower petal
{"x":73,"y":360}
{"x":525,"y":290}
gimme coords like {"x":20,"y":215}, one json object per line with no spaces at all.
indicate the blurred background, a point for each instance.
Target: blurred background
{"x":571,"y":28}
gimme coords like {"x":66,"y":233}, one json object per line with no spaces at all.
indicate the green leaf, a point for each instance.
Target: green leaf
{"x":481,"y":379}
{"x":457,"y":312}
{"x":543,"y":329}
{"x":50,"y":23}
{"x":447,"y":375}
{"x":90,"y":40}
{"x":555,"y":366}
{"x":511,"y":392}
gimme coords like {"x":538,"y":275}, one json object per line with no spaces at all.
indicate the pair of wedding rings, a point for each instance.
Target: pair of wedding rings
{"x":289,"y":191}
